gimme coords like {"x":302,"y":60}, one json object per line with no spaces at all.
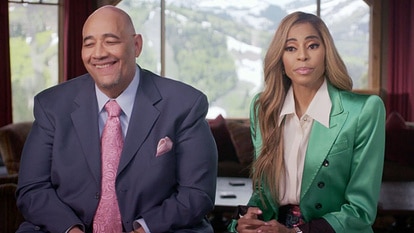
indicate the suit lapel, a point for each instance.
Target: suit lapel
{"x":317,"y":151}
{"x":143,"y":117}
{"x":85,"y":122}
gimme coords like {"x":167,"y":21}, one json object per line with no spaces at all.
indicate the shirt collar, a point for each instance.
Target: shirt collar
{"x":288,"y":106}
{"x":319,"y":109}
{"x":125,"y":100}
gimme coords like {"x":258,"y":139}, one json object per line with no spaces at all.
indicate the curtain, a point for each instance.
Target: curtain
{"x":5,"y":70}
{"x":76,"y":12}
{"x":400,"y":77}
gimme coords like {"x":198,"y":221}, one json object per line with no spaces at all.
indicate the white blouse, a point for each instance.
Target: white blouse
{"x":296,"y":138}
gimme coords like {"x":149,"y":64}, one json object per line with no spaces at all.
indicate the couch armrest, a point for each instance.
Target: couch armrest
{"x":10,"y":217}
{"x":9,"y":179}
{"x":232,"y":169}
{"x":399,"y":146}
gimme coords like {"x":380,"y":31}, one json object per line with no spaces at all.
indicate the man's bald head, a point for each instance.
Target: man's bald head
{"x":109,"y":13}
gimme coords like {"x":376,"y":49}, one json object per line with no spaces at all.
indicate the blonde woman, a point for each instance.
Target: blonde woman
{"x":319,"y":148}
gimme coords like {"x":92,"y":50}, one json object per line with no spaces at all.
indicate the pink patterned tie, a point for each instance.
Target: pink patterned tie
{"x":107,"y":217}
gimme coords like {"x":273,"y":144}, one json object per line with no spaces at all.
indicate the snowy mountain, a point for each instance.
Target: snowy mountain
{"x":232,"y":37}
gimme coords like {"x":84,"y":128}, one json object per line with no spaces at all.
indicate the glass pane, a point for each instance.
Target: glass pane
{"x":147,"y":21}
{"x":218,"y":47}
{"x":348,"y":21}
{"x":32,"y":1}
{"x":35,"y":1}
{"x":51,"y":1}
{"x":33,"y":54}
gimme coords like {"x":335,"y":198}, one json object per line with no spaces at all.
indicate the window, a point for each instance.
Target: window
{"x":349,"y":23}
{"x":33,"y":52}
{"x":218,"y":46}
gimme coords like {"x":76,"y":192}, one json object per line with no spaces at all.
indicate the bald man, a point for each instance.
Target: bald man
{"x":166,"y":178}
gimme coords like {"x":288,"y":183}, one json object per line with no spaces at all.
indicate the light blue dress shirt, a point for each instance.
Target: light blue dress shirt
{"x":126,"y":102}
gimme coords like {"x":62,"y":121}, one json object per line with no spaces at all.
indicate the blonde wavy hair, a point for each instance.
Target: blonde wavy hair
{"x":268,"y":168}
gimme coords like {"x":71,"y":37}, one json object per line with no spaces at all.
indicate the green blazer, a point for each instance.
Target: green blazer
{"x":343,"y":164}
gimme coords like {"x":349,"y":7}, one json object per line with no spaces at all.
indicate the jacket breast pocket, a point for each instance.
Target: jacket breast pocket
{"x":164,"y":158}
{"x":340,"y":161}
{"x":339,"y":147}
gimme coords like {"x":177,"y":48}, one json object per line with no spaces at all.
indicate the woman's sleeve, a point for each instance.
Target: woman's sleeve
{"x":362,"y":191}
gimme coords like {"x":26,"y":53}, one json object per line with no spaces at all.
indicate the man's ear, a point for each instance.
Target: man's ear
{"x":138,"y":44}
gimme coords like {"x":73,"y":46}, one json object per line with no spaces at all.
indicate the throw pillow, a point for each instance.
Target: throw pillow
{"x":395,"y":121}
{"x":221,"y":135}
{"x":242,"y":141}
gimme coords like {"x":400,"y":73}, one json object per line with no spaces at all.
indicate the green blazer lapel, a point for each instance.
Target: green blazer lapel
{"x":321,"y":140}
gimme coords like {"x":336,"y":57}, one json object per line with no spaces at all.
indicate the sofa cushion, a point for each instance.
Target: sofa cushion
{"x":12,"y":139}
{"x":232,"y":169}
{"x":221,"y":135}
{"x":242,"y":141}
{"x":398,"y":140}
{"x":398,"y":146}
{"x":10,"y":216}
{"x":395,"y":121}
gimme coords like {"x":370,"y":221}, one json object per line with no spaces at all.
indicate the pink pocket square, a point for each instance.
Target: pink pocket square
{"x":164,"y":145}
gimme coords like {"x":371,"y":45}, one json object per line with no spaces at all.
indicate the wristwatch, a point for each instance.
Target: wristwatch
{"x":297,"y":230}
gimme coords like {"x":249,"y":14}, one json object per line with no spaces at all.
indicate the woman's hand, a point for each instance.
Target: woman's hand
{"x":139,"y":230}
{"x":274,"y":226}
{"x":75,"y":229}
{"x":249,"y":223}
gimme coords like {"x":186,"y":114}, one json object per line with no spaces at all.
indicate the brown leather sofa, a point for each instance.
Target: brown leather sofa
{"x":235,"y":155}
{"x":399,"y":149}
{"x":234,"y":145}
{"x":12,"y":138}
{"x":10,"y":217}
{"x":235,"y":149}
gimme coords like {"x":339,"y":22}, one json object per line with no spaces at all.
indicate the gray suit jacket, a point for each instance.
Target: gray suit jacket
{"x":60,"y":171}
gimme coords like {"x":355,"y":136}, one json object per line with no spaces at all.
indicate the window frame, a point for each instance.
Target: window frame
{"x":59,"y":50}
{"x":374,"y":70}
